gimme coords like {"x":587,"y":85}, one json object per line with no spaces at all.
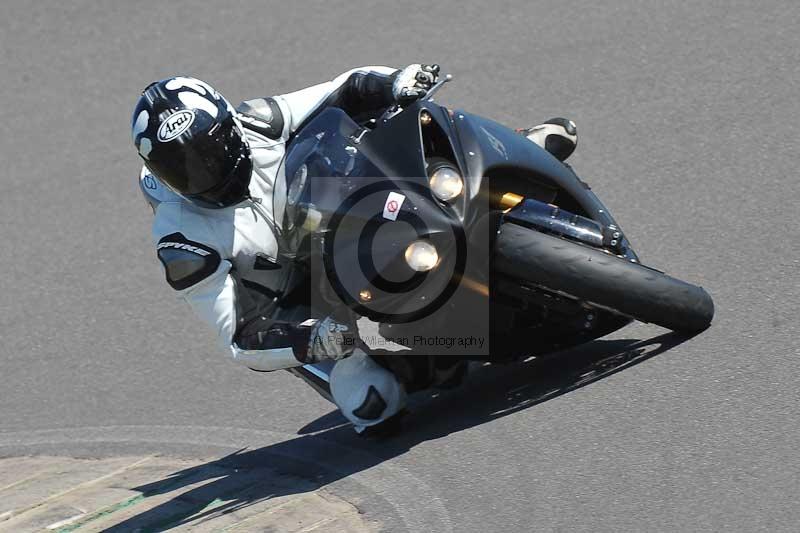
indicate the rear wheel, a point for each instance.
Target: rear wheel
{"x":601,"y":279}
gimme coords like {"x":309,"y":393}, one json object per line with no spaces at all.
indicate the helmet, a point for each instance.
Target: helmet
{"x":190,"y":139}
{"x":365,"y":392}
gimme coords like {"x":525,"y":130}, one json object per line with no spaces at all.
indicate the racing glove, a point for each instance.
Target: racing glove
{"x":311,"y":341}
{"x":328,"y":339}
{"x":413,"y":82}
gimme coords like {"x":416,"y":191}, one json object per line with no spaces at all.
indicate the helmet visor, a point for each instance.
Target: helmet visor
{"x":211,"y":169}
{"x":231,"y":190}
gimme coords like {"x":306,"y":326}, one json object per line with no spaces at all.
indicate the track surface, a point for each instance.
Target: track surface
{"x":688,"y":115}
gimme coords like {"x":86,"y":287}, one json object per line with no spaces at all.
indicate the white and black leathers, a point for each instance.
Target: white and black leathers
{"x":218,"y":258}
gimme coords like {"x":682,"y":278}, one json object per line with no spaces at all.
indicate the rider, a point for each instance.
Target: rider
{"x":208,"y":174}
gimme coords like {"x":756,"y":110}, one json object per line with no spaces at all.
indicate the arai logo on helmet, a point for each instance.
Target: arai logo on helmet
{"x":175,"y":124}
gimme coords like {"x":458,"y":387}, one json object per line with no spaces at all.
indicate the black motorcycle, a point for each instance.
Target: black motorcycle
{"x":460,"y":238}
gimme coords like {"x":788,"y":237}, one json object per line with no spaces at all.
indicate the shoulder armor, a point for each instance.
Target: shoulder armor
{"x":186,"y":262}
{"x":262,"y":115}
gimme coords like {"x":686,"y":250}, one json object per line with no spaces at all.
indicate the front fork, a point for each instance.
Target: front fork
{"x":549,"y":218}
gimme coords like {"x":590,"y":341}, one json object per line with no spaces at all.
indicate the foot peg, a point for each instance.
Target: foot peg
{"x":559,"y":136}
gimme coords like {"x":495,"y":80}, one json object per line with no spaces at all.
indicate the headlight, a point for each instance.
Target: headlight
{"x":313,"y":218}
{"x":421,"y":256}
{"x":446,"y":183}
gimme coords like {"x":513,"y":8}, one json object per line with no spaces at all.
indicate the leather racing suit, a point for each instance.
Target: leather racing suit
{"x":224,"y":262}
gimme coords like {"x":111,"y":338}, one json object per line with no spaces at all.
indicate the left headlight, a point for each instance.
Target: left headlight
{"x":446,"y":183}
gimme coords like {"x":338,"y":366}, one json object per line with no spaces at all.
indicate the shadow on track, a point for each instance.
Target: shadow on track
{"x":327,"y":449}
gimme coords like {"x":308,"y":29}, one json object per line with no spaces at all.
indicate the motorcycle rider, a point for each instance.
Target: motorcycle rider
{"x":209,"y":171}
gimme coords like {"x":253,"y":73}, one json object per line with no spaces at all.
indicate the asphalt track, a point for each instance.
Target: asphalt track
{"x":688,"y":116}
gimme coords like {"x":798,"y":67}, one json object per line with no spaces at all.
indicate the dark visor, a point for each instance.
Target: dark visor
{"x":231,"y":190}
{"x":212,"y":168}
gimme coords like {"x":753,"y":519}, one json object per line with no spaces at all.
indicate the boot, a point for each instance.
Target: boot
{"x":559,"y":136}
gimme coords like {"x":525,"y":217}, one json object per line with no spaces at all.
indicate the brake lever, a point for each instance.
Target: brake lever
{"x":439,"y":84}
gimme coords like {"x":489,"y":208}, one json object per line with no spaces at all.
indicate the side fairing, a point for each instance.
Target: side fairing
{"x":489,"y":146}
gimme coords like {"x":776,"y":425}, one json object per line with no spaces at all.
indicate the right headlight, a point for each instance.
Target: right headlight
{"x":421,"y":256}
{"x":446,"y":183}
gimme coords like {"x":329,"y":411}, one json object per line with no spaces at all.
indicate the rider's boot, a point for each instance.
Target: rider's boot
{"x":385,"y":430}
{"x":559,"y":136}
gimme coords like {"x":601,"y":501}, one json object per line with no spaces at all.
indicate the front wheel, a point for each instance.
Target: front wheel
{"x":601,"y":279}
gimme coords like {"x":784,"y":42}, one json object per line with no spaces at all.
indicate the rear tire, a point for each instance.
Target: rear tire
{"x":602,"y":279}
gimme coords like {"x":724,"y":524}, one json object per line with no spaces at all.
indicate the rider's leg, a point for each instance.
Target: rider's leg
{"x":559,"y":136}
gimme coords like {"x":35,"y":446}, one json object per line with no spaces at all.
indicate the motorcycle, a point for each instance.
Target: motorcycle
{"x":431,"y":220}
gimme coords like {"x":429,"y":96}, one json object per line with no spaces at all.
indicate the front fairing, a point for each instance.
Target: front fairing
{"x":333,"y":205}
{"x":348,"y":172}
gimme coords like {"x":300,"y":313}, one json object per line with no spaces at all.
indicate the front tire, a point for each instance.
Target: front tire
{"x":602,"y":279}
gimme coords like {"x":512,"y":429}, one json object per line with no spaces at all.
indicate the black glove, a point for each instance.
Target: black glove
{"x":311,"y":341}
{"x":265,"y":334}
{"x":327,"y":339}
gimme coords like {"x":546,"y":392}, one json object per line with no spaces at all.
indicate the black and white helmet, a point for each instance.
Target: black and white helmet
{"x":190,"y":139}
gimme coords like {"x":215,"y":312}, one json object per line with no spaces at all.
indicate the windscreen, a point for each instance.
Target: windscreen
{"x":332,"y":156}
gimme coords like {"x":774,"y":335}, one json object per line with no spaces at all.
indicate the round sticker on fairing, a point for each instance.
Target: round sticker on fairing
{"x":175,"y":124}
